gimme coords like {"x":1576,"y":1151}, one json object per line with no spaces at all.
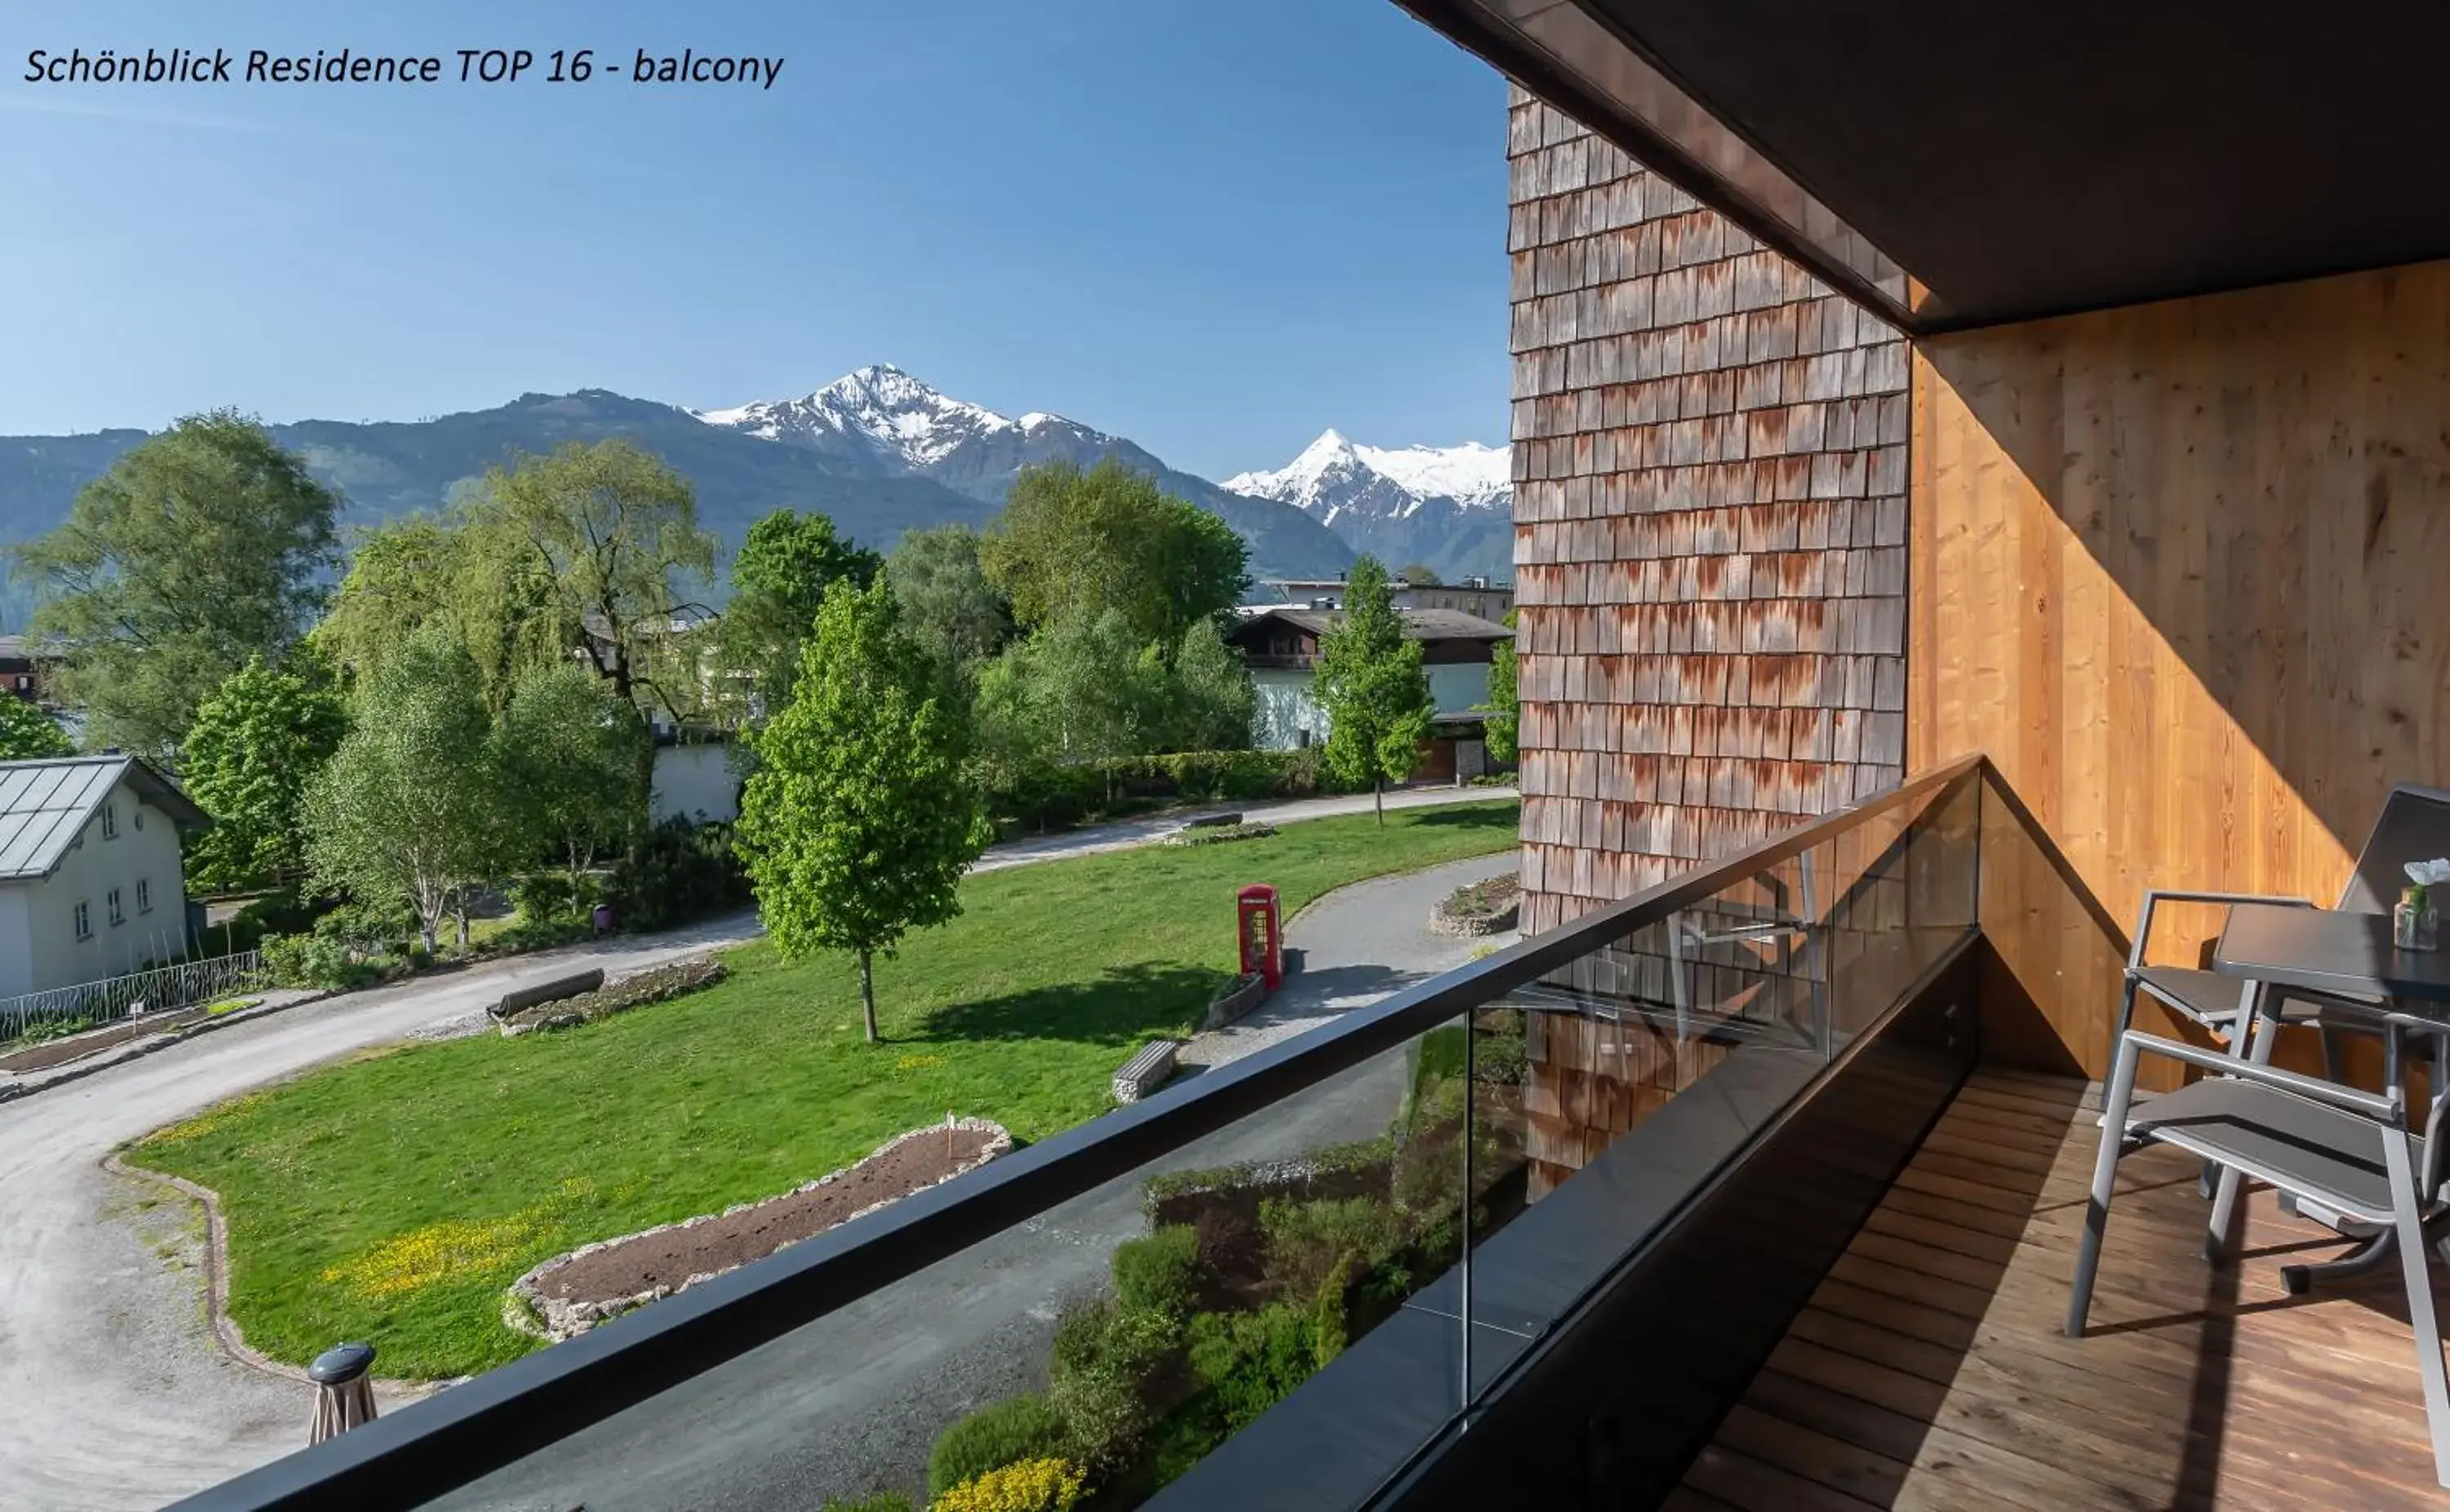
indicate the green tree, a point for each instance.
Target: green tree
{"x":1371,"y":687}
{"x":1071,"y":544}
{"x":199,"y":549}
{"x":608,"y":535}
{"x":572,"y":751}
{"x":1213,"y":698}
{"x":27,"y":734}
{"x":778,"y":580}
{"x":413,"y":806}
{"x":1504,"y":709}
{"x":1419,"y":574}
{"x":258,"y":740}
{"x":860,"y":818}
{"x":1096,"y":690}
{"x":947,"y":604}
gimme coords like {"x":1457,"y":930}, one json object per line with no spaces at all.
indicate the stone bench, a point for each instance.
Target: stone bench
{"x":1146,"y":1071}
{"x":543,"y":991}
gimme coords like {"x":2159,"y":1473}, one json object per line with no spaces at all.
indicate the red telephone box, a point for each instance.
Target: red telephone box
{"x":1263,"y":946}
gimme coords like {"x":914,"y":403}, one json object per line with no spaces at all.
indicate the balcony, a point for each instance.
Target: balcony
{"x":1773,"y":1130}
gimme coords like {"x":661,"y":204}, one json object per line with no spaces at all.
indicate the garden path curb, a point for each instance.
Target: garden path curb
{"x":226,"y":1330}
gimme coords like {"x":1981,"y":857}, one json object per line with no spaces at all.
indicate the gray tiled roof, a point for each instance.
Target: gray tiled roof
{"x":45,"y":804}
{"x":1419,"y":624}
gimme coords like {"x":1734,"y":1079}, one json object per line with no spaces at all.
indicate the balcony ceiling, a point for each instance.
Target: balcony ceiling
{"x":2017,"y":161}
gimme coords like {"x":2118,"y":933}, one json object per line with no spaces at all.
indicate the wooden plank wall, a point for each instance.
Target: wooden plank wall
{"x":2183,"y":569}
{"x":1710,"y":528}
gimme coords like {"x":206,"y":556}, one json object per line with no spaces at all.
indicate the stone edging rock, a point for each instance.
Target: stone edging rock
{"x":1236,"y":998}
{"x":1466,"y":925}
{"x":526,"y":1309}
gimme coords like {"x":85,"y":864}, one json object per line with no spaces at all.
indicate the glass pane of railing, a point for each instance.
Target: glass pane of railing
{"x":1658,"y":1052}
{"x":1110,"y":1343}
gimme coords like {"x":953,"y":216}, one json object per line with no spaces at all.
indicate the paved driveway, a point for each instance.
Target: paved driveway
{"x":113,"y":1394}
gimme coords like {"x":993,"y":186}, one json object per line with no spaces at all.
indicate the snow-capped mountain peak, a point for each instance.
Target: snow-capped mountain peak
{"x":1333,"y":476}
{"x":894,"y":416}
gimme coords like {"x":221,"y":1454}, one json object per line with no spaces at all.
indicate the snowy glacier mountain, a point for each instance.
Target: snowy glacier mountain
{"x":1447,"y":508}
{"x":882,"y":421}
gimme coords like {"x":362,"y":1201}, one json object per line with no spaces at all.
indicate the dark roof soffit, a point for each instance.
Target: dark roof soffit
{"x":1577,"y":63}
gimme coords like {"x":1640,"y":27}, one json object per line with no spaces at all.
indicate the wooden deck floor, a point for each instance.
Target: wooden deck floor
{"x":1929,"y":1370}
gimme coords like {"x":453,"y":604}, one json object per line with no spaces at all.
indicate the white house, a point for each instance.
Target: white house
{"x":1280,"y":646}
{"x":91,"y":883}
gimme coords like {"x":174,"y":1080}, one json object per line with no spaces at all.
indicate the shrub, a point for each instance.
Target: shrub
{"x":371,"y":927}
{"x":1104,"y":1357}
{"x":1328,"y":1334}
{"x":314,"y":961}
{"x":878,"y":1501}
{"x":1003,"y":1433}
{"x":1159,"y":1273}
{"x":547,"y":897}
{"x":1033,"y":1485}
{"x":679,"y":871}
{"x":1306,"y":1241}
{"x":1328,"y":1160}
{"x":1498,"y":1061}
{"x":1251,"y":1361}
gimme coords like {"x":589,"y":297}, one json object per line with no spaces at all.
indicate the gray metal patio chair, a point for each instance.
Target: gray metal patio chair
{"x":2413,"y":825}
{"x":2347,"y":1151}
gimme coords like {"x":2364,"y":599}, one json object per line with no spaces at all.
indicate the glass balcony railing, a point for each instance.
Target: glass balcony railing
{"x":1293,"y":1281}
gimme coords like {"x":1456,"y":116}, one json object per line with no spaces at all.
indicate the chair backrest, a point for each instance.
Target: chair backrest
{"x":2414,"y":824}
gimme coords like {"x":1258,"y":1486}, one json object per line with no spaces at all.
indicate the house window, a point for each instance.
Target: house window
{"x":144,"y":892}
{"x":110,"y":821}
{"x":83,"y":921}
{"x":118,"y":914}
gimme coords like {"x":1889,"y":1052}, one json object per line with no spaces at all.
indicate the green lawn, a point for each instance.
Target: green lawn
{"x":392,"y":1198}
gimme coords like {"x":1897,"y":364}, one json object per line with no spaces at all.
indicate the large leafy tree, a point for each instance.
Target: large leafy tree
{"x":1213,"y":698}
{"x":572,"y":751}
{"x":608,"y":536}
{"x":414,"y":805}
{"x":27,"y":734}
{"x":199,"y":549}
{"x":424,"y":570}
{"x":1371,"y":687}
{"x":947,"y":604}
{"x":859,"y":820}
{"x":1505,"y":714}
{"x":1096,"y":690}
{"x":258,"y":740}
{"x":1071,"y":544}
{"x":779,"y":578}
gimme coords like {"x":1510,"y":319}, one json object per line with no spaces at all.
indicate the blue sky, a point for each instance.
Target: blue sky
{"x":1216,"y":229}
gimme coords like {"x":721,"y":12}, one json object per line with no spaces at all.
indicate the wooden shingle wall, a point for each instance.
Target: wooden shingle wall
{"x":1710,"y":528}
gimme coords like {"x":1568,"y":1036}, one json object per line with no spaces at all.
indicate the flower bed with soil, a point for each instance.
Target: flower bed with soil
{"x":569,"y":1295}
{"x":656,"y":984}
{"x":1488,"y":907}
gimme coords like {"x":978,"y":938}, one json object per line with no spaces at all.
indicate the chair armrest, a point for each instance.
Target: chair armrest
{"x":2155,"y":897}
{"x":2371,"y":1104}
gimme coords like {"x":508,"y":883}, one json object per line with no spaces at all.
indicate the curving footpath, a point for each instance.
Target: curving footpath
{"x":112,"y":1392}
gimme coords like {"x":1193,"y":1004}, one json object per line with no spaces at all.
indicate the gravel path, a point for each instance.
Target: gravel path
{"x":1125,"y":834}
{"x":113,"y":1394}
